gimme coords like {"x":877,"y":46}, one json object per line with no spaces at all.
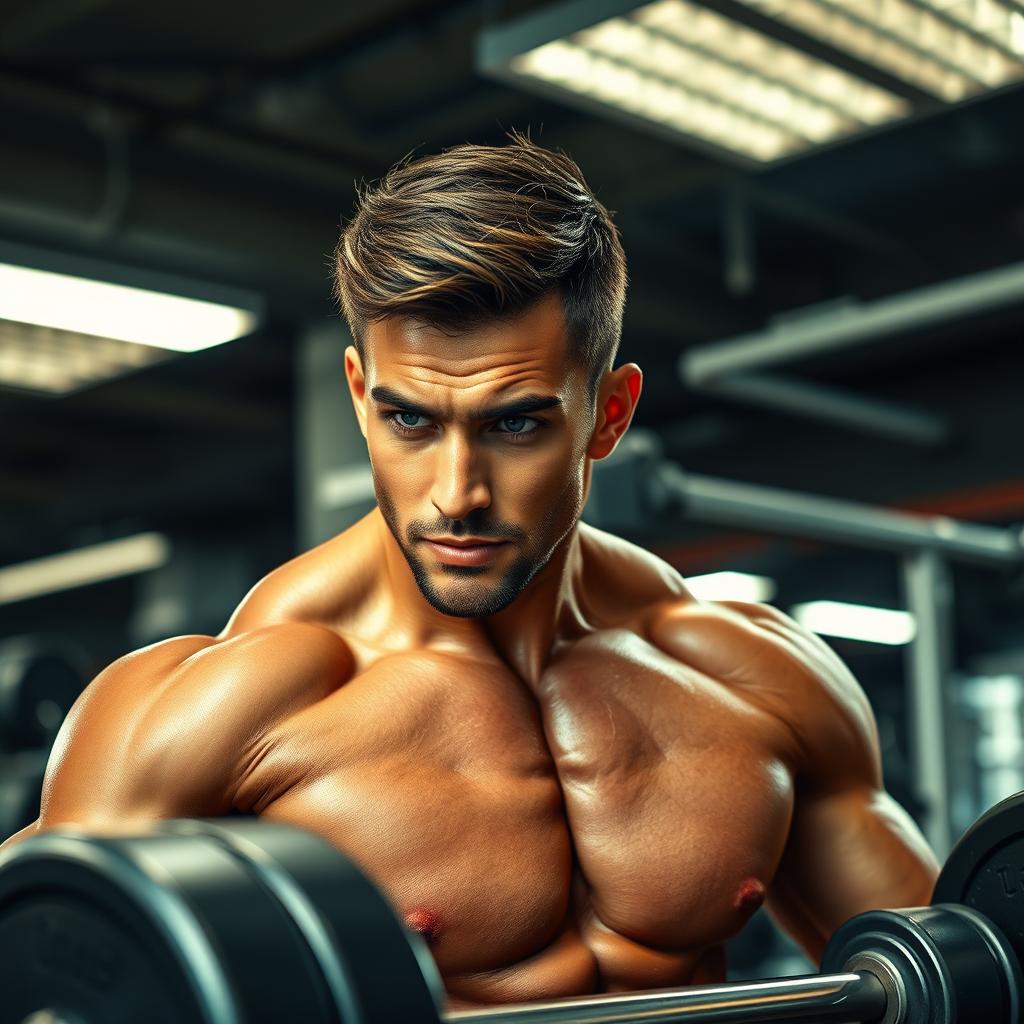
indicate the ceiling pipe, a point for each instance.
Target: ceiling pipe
{"x":736,"y":368}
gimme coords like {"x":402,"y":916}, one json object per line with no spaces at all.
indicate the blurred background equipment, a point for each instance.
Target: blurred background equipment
{"x":990,"y":742}
{"x":40,"y":678}
{"x":821,"y":208}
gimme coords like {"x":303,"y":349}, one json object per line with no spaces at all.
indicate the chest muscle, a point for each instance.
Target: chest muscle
{"x":625,"y":802}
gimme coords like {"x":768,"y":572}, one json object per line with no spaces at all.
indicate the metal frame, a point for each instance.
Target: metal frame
{"x":735,"y":367}
{"x":850,"y":322}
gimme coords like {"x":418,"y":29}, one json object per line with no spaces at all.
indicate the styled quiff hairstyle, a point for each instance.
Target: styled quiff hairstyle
{"x":481,"y":232}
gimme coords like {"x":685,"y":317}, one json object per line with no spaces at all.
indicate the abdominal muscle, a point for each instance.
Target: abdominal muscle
{"x":587,"y":958}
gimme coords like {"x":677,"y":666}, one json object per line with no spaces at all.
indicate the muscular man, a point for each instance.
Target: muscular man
{"x":567,"y":773}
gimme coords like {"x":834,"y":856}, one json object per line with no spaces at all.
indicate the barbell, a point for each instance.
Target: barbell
{"x":242,"y":921}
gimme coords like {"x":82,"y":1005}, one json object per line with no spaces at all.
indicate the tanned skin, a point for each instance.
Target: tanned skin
{"x":568,"y":774}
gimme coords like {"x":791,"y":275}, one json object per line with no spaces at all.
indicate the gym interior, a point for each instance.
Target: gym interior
{"x":821,"y":205}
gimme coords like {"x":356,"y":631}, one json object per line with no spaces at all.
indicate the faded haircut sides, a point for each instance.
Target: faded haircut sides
{"x":477,"y":233}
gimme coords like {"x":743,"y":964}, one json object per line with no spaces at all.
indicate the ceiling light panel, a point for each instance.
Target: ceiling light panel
{"x":54,"y":362}
{"x":68,"y":322}
{"x":694,"y":72}
{"x":117,"y":311}
{"x":951,"y":49}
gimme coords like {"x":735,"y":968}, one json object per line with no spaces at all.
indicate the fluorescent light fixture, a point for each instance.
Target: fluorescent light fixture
{"x":689,"y":71}
{"x":117,"y":311}
{"x":856,"y":622}
{"x":83,"y":566}
{"x":731,"y":586}
{"x":59,"y":362}
{"x":951,"y":49}
{"x":67,"y":322}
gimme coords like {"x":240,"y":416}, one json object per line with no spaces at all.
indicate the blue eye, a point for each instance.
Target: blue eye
{"x":522,"y":421}
{"x":405,"y":423}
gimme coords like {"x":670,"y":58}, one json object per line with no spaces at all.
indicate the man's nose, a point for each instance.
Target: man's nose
{"x":460,"y":485}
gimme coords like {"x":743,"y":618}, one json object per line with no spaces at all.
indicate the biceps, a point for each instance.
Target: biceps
{"x":850,"y":852}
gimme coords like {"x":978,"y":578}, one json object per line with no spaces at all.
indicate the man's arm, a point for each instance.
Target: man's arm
{"x":849,"y":851}
{"x":174,"y":730}
{"x":851,"y":847}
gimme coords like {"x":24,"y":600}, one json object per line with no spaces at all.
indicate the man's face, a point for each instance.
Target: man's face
{"x":477,"y":434}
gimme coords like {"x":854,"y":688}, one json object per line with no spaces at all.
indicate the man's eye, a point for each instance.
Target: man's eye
{"x":408,"y":416}
{"x":513,"y":427}
{"x":404,"y":427}
{"x":517,"y":424}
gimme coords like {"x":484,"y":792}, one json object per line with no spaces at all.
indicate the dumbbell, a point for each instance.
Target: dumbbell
{"x":248,"y":921}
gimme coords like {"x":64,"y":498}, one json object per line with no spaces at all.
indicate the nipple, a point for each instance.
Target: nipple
{"x":749,"y":896}
{"x":425,"y":922}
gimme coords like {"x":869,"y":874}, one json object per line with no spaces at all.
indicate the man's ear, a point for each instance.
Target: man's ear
{"x":617,"y":398}
{"x":356,"y":385}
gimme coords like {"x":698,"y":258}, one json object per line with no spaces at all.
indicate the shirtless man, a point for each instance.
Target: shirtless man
{"x":567,"y":773}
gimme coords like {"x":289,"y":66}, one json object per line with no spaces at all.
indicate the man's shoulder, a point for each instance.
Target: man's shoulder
{"x":636,"y":578}
{"x":747,"y":643}
{"x":765,"y":656}
{"x":128,"y":748}
{"x":316,"y":587}
{"x":280,"y":658}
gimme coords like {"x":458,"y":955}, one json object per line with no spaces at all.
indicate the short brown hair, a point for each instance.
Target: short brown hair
{"x":477,"y":232}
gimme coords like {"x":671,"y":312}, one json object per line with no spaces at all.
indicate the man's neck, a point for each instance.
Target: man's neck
{"x":522,"y":634}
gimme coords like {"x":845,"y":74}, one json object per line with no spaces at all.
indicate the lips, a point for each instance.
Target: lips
{"x":478,"y":553}
{"x":449,"y":543}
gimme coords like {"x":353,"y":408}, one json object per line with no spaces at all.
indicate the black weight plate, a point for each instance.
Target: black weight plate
{"x":77,"y":935}
{"x":178,"y":910}
{"x":376,"y":969}
{"x":985,"y":871}
{"x":40,"y":679}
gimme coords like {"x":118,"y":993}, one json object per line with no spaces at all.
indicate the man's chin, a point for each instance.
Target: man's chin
{"x":469,"y":606}
{"x":468,"y":597}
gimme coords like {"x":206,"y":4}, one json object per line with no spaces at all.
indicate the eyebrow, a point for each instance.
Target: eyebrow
{"x":517,"y":407}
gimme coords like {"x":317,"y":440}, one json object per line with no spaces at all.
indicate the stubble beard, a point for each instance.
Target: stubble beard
{"x":473,"y":602}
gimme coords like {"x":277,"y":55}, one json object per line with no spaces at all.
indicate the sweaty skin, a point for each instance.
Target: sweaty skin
{"x":567,"y":774}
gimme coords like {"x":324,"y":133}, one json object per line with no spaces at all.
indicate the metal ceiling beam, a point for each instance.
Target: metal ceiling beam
{"x":854,"y":323}
{"x":739,"y":368}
